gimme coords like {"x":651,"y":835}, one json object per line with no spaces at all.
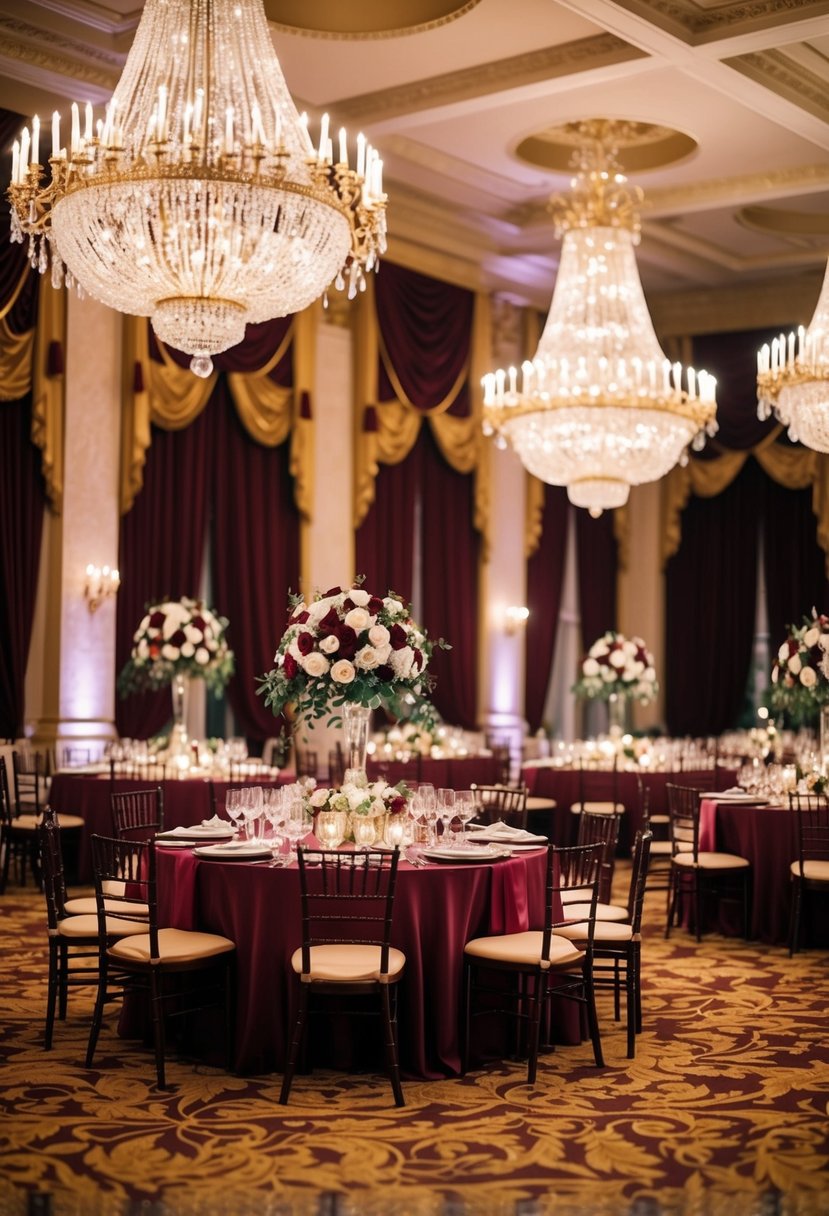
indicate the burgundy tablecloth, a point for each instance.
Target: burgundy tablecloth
{"x":452,"y":773}
{"x":562,"y":784}
{"x":185,"y":803}
{"x":437,"y":910}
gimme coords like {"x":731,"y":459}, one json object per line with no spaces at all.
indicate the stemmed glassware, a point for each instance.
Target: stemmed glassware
{"x":235,"y":808}
{"x":465,"y":809}
{"x":295,"y":826}
{"x":445,"y":814}
{"x":427,"y":808}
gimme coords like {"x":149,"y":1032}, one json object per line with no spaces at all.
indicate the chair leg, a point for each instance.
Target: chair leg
{"x":98,"y":1015}
{"x":296,"y":1044}
{"x":794,"y":919}
{"x":617,"y":1012}
{"x":52,"y":993}
{"x":697,"y":895}
{"x":593,"y":1019}
{"x":466,"y":1016}
{"x":539,"y":997}
{"x":157,"y":1001}
{"x":631,"y":983}
{"x":390,"y":1038}
{"x":636,"y":957}
{"x":63,"y":980}
{"x":673,"y":897}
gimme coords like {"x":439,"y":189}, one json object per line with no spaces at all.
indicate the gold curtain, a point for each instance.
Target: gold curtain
{"x":172,"y":397}
{"x":25,"y":367}
{"x":460,"y":440}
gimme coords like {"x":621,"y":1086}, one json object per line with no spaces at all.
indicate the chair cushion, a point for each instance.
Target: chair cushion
{"x":604,"y":912}
{"x":25,"y":823}
{"x":65,"y":822}
{"x":349,"y":963}
{"x":174,"y":946}
{"x":597,"y":808}
{"x":524,"y":950}
{"x":87,"y":926}
{"x":661,"y":848}
{"x":85,"y":905}
{"x":659,"y":818}
{"x":610,"y":932}
{"x":814,"y":871}
{"x":711,"y":861}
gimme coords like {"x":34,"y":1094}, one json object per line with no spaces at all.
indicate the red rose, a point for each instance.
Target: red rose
{"x":300,"y":618}
{"x":348,"y":604}
{"x":305,"y":643}
{"x":289,"y":666}
{"x":155,"y":650}
{"x":178,"y":638}
{"x":348,"y":641}
{"x":384,"y":673}
{"x":329,"y":622}
{"x":398,"y":637}
{"x":417,"y":662}
{"x":374,"y":605}
{"x":157,"y":620}
{"x":397,"y":805}
{"x":199,"y":622}
{"x":333,"y":591}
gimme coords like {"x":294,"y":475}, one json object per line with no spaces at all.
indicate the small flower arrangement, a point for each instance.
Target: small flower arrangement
{"x":813,"y":783}
{"x":617,"y":666}
{"x":800,"y":673}
{"x":361,"y":798}
{"x":178,"y":637}
{"x":351,"y":646}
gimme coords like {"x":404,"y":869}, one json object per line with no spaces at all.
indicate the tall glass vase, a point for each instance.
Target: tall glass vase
{"x":180,"y":692}
{"x":356,"y":723}
{"x":618,"y":711}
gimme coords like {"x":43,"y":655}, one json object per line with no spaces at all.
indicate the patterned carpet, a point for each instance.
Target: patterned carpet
{"x":724,"y":1109}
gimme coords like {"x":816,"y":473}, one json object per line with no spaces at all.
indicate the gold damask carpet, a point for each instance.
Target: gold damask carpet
{"x":723,"y":1110}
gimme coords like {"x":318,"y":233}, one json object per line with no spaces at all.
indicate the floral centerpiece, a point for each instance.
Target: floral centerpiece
{"x":618,"y":667}
{"x":800,"y":673}
{"x":178,"y":638}
{"x":351,"y":647}
{"x":366,"y":807}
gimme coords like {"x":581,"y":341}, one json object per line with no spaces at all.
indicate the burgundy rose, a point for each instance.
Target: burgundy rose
{"x":300,"y":618}
{"x":794,"y":646}
{"x":417,"y":662}
{"x":398,"y":637}
{"x":155,"y":650}
{"x":289,"y":666}
{"x":329,"y":622}
{"x":305,"y":643}
{"x":348,"y":604}
{"x":347,"y":638}
{"x":199,"y":622}
{"x":397,"y":805}
{"x":384,"y":673}
{"x":178,"y":638}
{"x":374,"y":605}
{"x":333,"y":591}
{"x":157,"y":620}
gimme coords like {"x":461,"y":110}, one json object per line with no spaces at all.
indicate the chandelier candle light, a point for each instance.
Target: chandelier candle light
{"x":793,"y":378}
{"x":199,"y":199}
{"x":600,"y":408}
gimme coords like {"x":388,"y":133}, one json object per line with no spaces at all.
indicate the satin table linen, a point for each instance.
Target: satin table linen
{"x":437,"y":910}
{"x":186,"y":802}
{"x":450,"y":773}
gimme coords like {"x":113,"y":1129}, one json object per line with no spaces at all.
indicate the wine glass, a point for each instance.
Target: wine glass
{"x":445,"y":814}
{"x":428,"y":809}
{"x":294,"y":826}
{"x":465,"y":809}
{"x":234,"y":808}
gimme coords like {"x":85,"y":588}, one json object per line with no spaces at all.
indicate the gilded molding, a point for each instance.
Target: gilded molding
{"x":500,"y":74}
{"x":776,"y":71}
{"x":49,"y":52}
{"x":699,"y":24}
{"x":359,"y":17}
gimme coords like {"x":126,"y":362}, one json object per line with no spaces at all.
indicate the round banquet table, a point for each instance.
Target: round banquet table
{"x":437,"y":910}
{"x":450,"y":772}
{"x":544,"y":780}
{"x":87,"y":794}
{"x":767,"y":837}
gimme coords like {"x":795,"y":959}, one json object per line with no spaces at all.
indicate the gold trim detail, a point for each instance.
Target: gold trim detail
{"x":367,"y":20}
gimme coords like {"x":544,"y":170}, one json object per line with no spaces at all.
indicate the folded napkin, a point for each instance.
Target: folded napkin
{"x":505,"y":831}
{"x":204,"y":828}
{"x":217,"y":822}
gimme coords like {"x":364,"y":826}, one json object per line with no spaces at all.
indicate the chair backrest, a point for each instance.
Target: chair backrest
{"x":683,"y":812}
{"x":30,"y":769}
{"x":588,"y":777}
{"x":505,"y":802}
{"x":644,"y":794}
{"x":336,"y":765}
{"x":51,"y":869}
{"x":601,"y":827}
{"x":307,"y":762}
{"x":347,"y":898}
{"x":571,"y":869}
{"x":638,"y":878}
{"x":812,"y":827}
{"x":124,"y":873}
{"x":502,"y":753}
{"x":6,"y":811}
{"x":137,"y":814}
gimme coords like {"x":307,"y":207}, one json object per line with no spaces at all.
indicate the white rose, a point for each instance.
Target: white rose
{"x":824,"y":641}
{"x":170,"y":626}
{"x":319,"y":797}
{"x":783,"y":652}
{"x":187,"y":650}
{"x":359,"y":597}
{"x":597,"y":649}
{"x":142,"y":649}
{"x":378,"y":635}
{"x":169,"y":652}
{"x":358,"y":619}
{"x":343,"y":672}
{"x":617,"y":659}
{"x":811,"y":637}
{"x":202,"y":656}
{"x":393,"y":607}
{"x":318,"y":610}
{"x":330,"y":644}
{"x":795,"y":664}
{"x":774,"y":675}
{"x":192,"y":633}
{"x":590,"y":667}
{"x":629,"y":648}
{"x":808,"y":677}
{"x":144,"y":626}
{"x":366,"y":658}
{"x":608,"y":675}
{"x":315,"y":664}
{"x":294,"y":651}
{"x":649,"y":675}
{"x":401,"y":662}
{"x":383,"y":652}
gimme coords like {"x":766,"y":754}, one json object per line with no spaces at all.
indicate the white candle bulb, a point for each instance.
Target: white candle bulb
{"x":55,"y":135}
{"x":35,"y":140}
{"x":361,"y":155}
{"x":25,"y":140}
{"x":343,"y":147}
{"x":229,"y":131}
{"x":323,"y":136}
{"x":16,"y":161}
{"x":87,"y":133}
{"x":75,"y":136}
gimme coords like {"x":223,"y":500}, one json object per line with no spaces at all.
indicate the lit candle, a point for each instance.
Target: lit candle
{"x":25,"y":139}
{"x":75,"y":136}
{"x":16,"y":160}
{"x":677,"y":376}
{"x":323,"y":136}
{"x":87,"y":132}
{"x":692,"y":383}
{"x":378,"y":177}
{"x":35,"y":140}
{"x":256,"y":122}
{"x":229,"y":131}
{"x":513,"y":378}
{"x":801,"y":335}
{"x":343,"y":147}
{"x":303,"y":124}
{"x":361,"y":155}
{"x":55,"y":135}
{"x":791,"y":350}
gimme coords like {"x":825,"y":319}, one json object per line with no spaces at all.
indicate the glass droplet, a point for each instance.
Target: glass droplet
{"x":201,"y":365}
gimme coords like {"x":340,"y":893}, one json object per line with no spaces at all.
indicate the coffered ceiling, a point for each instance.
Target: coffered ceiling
{"x":469,"y":106}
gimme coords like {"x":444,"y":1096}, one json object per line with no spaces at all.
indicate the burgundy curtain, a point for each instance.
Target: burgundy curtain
{"x":710,"y":607}
{"x":597,"y":564}
{"x":450,"y":583}
{"x":732,"y":358}
{"x":385,"y":539}
{"x":545,"y":580}
{"x":21,"y":524}
{"x":161,"y":551}
{"x":255,"y":555}
{"x":794,"y":561}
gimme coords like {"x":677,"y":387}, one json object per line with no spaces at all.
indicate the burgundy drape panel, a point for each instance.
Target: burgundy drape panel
{"x":794,"y":561}
{"x":597,"y":564}
{"x":161,"y":550}
{"x":710,"y":607}
{"x":255,"y":554}
{"x":450,"y":583}
{"x":22,"y":498}
{"x":385,"y":539}
{"x":545,"y":580}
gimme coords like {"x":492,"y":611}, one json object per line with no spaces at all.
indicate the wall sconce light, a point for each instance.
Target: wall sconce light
{"x":515,"y":618}
{"x":101,"y":583}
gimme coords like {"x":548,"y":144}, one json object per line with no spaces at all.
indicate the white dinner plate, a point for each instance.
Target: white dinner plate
{"x":739,"y":799}
{"x":490,"y":852}
{"x":233,"y":851}
{"x":174,"y":844}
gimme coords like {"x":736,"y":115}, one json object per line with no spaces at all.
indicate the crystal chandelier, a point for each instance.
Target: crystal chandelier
{"x":600,"y":408}
{"x":199,"y":199}
{"x":793,"y":378}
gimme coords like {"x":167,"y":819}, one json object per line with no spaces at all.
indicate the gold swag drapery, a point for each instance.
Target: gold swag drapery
{"x":172,"y":397}
{"x":398,"y":421}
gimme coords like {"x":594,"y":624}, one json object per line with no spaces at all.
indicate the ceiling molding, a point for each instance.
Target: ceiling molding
{"x":96,"y":16}
{"x":790,"y":80}
{"x":58,"y":54}
{"x":697,"y":24}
